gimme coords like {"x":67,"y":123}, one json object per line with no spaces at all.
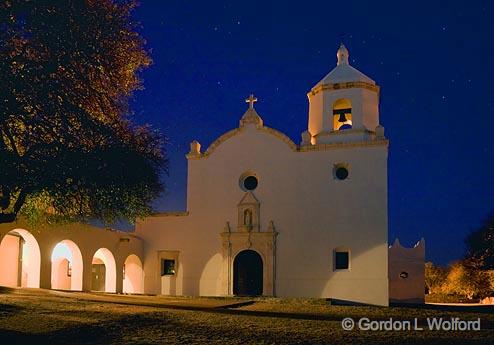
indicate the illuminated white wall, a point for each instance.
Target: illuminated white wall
{"x":60,"y":279}
{"x":299,"y":196}
{"x":10,"y":251}
{"x":78,"y":243}
{"x":133,"y":277}
{"x":9,"y":261}
{"x":66,"y":252}
{"x":407,"y":273}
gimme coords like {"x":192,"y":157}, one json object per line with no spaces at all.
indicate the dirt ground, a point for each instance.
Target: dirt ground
{"x":55,"y":317}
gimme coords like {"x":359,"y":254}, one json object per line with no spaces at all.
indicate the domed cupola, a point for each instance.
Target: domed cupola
{"x":344,"y":105}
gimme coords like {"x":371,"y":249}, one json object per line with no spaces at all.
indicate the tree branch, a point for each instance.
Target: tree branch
{"x":11,"y":216}
{"x":11,"y":139}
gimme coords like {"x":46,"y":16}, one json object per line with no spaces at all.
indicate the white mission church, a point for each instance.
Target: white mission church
{"x":265,"y":216}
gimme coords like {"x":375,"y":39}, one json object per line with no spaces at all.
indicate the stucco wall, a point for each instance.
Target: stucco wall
{"x":87,"y":238}
{"x":9,"y":260}
{"x":407,"y":273}
{"x":59,"y":274}
{"x":311,"y":210}
{"x":364,"y":105}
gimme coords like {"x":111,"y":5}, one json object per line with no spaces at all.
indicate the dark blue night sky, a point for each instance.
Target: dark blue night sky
{"x":434,"y":62}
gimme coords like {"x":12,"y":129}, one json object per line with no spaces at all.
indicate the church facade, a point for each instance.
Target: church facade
{"x":267,"y":216}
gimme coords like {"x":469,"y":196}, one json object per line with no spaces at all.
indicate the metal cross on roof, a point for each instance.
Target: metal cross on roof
{"x":251,"y":101}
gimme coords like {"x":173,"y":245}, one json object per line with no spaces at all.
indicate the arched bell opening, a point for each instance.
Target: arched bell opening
{"x":342,"y":114}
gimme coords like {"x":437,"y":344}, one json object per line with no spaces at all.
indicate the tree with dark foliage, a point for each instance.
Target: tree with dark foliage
{"x":480,"y":245}
{"x":68,"y":149}
{"x":479,"y":258}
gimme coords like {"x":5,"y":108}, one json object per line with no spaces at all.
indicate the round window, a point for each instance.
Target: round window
{"x":341,"y":173}
{"x":250,"y":182}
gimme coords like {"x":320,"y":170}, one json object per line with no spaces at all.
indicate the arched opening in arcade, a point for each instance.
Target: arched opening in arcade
{"x":20,"y":259}
{"x":133,"y":281}
{"x":66,"y":266}
{"x":103,"y":271}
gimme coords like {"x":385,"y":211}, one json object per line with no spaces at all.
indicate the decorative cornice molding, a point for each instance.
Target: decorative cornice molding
{"x":340,"y":86}
{"x":345,"y":132}
{"x":294,"y":147}
{"x":253,"y":235}
{"x":325,"y":147}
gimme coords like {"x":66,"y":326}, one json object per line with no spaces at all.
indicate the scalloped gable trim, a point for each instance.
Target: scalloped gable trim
{"x":283,"y":137}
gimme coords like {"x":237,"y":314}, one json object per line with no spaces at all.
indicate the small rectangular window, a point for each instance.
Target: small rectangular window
{"x":341,"y":260}
{"x":167,"y":267}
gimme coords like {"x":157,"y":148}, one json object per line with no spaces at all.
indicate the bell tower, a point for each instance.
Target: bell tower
{"x":343,"y":106}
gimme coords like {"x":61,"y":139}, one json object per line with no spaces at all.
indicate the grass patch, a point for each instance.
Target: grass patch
{"x":80,"y":318}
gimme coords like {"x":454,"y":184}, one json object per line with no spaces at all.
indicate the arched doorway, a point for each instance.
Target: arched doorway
{"x":103,"y":271}
{"x":247,"y":274}
{"x":66,"y":266}
{"x":20,"y":259}
{"x":133,"y":275}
